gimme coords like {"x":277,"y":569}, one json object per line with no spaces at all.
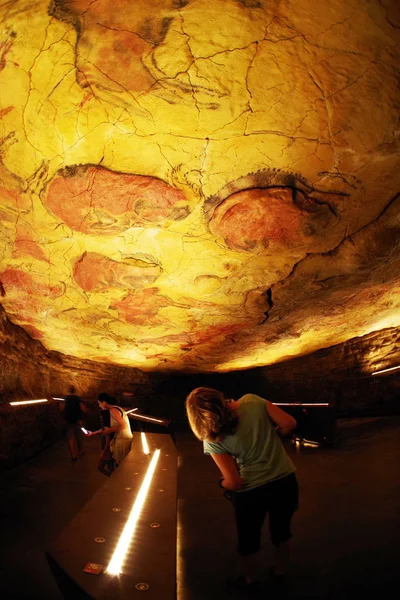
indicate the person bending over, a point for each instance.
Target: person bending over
{"x":243,"y":438}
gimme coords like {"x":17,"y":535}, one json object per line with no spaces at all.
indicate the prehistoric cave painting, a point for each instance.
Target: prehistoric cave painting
{"x":26,"y":308}
{"x":252,"y":219}
{"x":5,"y":48}
{"x":114,"y":40}
{"x":95,"y":273}
{"x":12,"y":199}
{"x":209,"y":335}
{"x":95,"y":200}
{"x":5,"y":111}
{"x":192,"y":172}
{"x":277,"y":209}
{"x":29,"y":299}
{"x":26,"y":245}
{"x":122,"y":49}
{"x":141,"y":307}
{"x":16,"y":282}
{"x":9,"y":200}
{"x":212,"y":335}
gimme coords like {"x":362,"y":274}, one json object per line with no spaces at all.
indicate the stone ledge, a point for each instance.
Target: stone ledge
{"x":151,"y":558}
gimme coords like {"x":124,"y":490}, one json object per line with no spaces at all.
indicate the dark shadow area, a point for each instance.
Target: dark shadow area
{"x":345,"y":531}
{"x":38,"y":499}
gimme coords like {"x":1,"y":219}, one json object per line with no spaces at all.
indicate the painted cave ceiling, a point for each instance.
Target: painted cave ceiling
{"x":198,"y":185}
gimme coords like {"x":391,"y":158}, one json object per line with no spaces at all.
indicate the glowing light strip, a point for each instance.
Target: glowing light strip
{"x":311,"y":444}
{"x":117,"y":559}
{"x":130,"y":411}
{"x":145,"y":444}
{"x":19,"y":403}
{"x":306,"y":443}
{"x":386,"y":370}
{"x":150,"y":418}
{"x":301,"y":404}
{"x":60,"y":399}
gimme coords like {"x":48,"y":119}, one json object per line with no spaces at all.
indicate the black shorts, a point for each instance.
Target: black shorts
{"x":278,"y":498}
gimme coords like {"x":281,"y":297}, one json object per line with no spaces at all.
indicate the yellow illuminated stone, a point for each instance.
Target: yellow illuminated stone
{"x":199,"y":185}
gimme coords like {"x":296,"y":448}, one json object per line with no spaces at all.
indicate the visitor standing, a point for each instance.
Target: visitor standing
{"x":73,"y":415}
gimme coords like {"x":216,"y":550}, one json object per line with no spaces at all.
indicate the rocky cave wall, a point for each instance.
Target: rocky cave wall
{"x":199,"y":186}
{"x":340,"y":374}
{"x":28,"y":371}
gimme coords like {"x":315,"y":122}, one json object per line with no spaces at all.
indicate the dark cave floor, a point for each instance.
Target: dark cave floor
{"x":345,"y":531}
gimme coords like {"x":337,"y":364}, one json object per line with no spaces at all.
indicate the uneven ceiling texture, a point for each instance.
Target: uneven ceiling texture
{"x":199,"y":185}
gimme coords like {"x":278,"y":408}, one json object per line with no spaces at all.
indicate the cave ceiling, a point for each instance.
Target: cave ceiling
{"x":196,"y":185}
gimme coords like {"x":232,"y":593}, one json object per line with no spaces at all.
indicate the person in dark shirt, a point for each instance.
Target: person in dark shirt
{"x":73,"y":415}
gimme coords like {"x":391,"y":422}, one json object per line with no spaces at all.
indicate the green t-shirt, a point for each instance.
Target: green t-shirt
{"x":255,"y":445}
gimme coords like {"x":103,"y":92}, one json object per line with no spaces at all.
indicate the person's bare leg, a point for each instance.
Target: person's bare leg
{"x":250,"y":566}
{"x":79,"y":443}
{"x":72,"y":448}
{"x":282,"y":556}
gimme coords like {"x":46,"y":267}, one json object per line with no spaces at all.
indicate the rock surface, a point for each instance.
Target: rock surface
{"x":340,"y":375}
{"x":196,"y":186}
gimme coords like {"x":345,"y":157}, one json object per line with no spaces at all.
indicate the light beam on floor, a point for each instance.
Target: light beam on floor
{"x":117,"y":559}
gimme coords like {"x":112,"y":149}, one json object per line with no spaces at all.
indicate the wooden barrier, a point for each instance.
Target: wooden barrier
{"x":92,"y":536}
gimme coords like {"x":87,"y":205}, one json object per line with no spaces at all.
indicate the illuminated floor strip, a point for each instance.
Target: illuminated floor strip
{"x":145,"y":444}
{"x":150,"y":418}
{"x":301,"y":403}
{"x":386,"y":370}
{"x":115,"y":565}
{"x":19,"y":403}
{"x":307,"y":443}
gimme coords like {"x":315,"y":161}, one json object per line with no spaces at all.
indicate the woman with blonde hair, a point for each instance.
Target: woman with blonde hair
{"x":243,"y":438}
